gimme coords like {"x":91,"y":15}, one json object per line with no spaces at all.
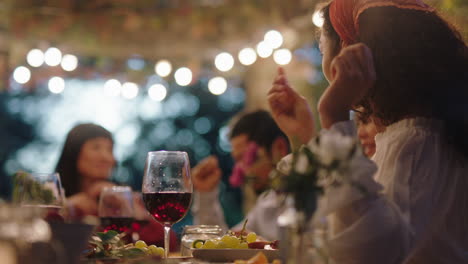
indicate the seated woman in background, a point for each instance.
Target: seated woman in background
{"x":85,"y":167}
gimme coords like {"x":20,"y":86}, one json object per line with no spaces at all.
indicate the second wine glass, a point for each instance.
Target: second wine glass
{"x":167,"y":188}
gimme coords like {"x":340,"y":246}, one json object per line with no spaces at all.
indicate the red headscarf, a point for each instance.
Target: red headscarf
{"x":344,"y":14}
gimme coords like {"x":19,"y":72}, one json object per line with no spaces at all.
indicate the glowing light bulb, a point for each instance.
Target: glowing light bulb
{"x":129,"y":90}
{"x":56,"y":85}
{"x":282,"y":56}
{"x":35,"y":57}
{"x":274,"y":38}
{"x":163,"y":68}
{"x":53,"y":56}
{"x":224,"y":61}
{"x":247,"y":56}
{"x":157,"y":92}
{"x":69,"y":62}
{"x":183,"y":76}
{"x":217,"y":85}
{"x":317,"y":19}
{"x":264,"y":49}
{"x":112,"y":87}
{"x":21,"y":75}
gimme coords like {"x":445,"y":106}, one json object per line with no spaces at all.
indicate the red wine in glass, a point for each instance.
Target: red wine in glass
{"x":119,"y":224}
{"x":167,"y":207}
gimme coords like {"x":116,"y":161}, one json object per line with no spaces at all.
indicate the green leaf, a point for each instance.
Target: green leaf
{"x":107,"y":235}
{"x":133,"y":253}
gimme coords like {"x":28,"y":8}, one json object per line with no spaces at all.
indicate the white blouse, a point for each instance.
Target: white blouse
{"x":428,"y":183}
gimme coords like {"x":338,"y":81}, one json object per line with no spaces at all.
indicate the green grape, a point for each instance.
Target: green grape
{"x":243,"y":245}
{"x":230,"y":241}
{"x":152,"y":249}
{"x":140,"y":244}
{"x":226,"y":238}
{"x":221,"y":245}
{"x":251,"y":237}
{"x":159,"y":252}
{"x":209,"y":244}
{"x":199,"y":244}
{"x":234,"y":242}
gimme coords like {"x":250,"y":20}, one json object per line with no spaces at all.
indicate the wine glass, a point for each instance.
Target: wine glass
{"x":116,"y":208}
{"x":167,"y":188}
{"x":40,"y":190}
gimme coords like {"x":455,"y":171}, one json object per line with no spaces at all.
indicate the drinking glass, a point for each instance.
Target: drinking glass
{"x":116,"y":208}
{"x":40,"y":190}
{"x":167,"y":188}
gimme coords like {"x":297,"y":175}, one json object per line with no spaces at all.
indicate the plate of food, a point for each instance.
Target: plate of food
{"x":233,"y":247}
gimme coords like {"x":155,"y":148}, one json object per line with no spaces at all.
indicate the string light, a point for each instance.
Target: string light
{"x":224,"y":62}
{"x":69,"y":62}
{"x":53,"y":56}
{"x":112,"y":87}
{"x":217,"y":85}
{"x":274,"y":39}
{"x":163,"y":68}
{"x":56,"y":85}
{"x":35,"y":58}
{"x":247,"y":56}
{"x":21,"y":75}
{"x":129,"y":90}
{"x":157,"y":92}
{"x":183,"y":76}
{"x":317,"y":19}
{"x":282,"y":56}
{"x":264,"y":49}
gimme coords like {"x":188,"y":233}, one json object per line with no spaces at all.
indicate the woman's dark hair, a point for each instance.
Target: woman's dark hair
{"x":421,"y":63}
{"x":67,"y":164}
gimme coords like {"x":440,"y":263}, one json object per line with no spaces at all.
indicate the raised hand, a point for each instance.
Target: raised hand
{"x":206,"y":175}
{"x":291,"y":111}
{"x":353,"y":75}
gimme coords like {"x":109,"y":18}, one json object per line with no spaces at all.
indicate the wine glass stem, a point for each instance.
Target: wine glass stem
{"x":167,"y":236}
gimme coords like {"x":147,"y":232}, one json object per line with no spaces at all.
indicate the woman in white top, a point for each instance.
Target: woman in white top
{"x":408,"y":69}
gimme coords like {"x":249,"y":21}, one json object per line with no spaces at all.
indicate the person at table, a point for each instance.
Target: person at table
{"x":407,"y":67}
{"x":257,"y":145}
{"x":366,"y":131}
{"x":85,"y":167}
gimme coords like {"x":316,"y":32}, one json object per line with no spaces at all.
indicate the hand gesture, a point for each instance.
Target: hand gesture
{"x":353,"y":74}
{"x":291,"y":110}
{"x":206,"y":175}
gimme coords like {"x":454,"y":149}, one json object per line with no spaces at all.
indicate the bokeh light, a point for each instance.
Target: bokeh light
{"x":217,"y":85}
{"x":247,"y":56}
{"x":202,"y":125}
{"x":136,"y":63}
{"x":129,"y":90}
{"x":35,"y":57}
{"x":157,"y":92}
{"x":224,"y":61}
{"x":163,"y":68}
{"x":69,"y":62}
{"x":264,"y":49}
{"x":282,"y":56}
{"x":274,"y":39}
{"x":183,"y":76}
{"x":112,"y":87}
{"x":317,"y":19}
{"x":53,"y":56}
{"x":21,"y":75}
{"x":56,"y":85}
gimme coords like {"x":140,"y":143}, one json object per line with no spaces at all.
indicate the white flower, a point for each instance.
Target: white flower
{"x":302,"y":163}
{"x":332,"y":146}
